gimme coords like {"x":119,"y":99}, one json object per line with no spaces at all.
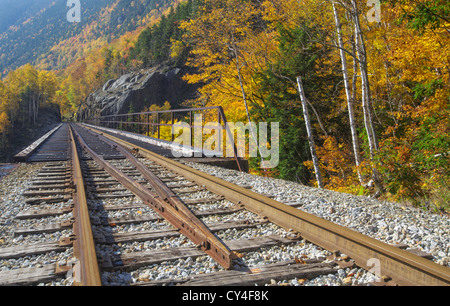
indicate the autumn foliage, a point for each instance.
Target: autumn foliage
{"x":250,"y":52}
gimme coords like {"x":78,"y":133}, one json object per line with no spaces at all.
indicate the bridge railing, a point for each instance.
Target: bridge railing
{"x":159,"y":124}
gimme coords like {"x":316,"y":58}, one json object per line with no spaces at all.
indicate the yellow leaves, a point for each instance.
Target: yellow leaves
{"x":337,"y":164}
{"x":176,"y":48}
{"x":226,"y":44}
{"x":417,"y":56}
{"x":8,"y":101}
{"x":4,"y":122}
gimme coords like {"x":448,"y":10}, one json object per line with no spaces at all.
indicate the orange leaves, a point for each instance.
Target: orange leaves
{"x":301,"y":259}
{"x":336,"y":162}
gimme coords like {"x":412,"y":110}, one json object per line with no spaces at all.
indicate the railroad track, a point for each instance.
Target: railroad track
{"x":123,"y":214}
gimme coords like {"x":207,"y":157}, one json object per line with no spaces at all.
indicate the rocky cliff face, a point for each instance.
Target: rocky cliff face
{"x":144,"y":88}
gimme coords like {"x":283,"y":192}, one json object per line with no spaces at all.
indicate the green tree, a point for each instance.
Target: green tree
{"x":298,"y":56}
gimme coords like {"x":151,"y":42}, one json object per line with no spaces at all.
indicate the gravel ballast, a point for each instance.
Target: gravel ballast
{"x":388,"y":222}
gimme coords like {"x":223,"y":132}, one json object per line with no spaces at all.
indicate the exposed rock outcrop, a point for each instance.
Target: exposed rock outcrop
{"x":144,"y":88}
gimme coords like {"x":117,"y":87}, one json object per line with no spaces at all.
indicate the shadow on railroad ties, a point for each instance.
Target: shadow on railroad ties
{"x":109,"y":249}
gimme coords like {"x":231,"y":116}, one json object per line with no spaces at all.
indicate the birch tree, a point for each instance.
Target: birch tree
{"x":361,"y":56}
{"x":349,"y":95}
{"x":312,"y":144}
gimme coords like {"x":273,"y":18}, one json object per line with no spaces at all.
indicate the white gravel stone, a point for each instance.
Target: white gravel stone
{"x":385,"y":221}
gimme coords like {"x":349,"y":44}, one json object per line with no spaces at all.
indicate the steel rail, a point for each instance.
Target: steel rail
{"x":86,"y":271}
{"x":404,"y":268}
{"x":174,"y":211}
{"x":170,"y":197}
{"x":160,"y":187}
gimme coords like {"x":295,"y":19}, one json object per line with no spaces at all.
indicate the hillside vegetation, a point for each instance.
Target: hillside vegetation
{"x":376,"y":82}
{"x":42,"y":36}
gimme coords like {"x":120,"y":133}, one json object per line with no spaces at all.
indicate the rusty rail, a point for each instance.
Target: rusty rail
{"x":402,"y":267}
{"x":144,"y":122}
{"x":86,"y":271}
{"x":167,"y":205}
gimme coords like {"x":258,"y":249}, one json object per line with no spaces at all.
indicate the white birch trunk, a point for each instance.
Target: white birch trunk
{"x":366,"y":99}
{"x":312,"y":144}
{"x":244,"y":97}
{"x":349,"y":96}
{"x":365,"y":89}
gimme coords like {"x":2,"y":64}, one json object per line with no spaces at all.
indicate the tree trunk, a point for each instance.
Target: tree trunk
{"x":312,"y":144}
{"x":350,"y":100}
{"x":35,"y":109}
{"x":244,"y":97}
{"x":30,"y":109}
{"x":366,"y":98}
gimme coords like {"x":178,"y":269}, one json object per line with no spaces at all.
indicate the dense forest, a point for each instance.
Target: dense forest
{"x":42,"y":36}
{"x":374,"y":77}
{"x":14,"y":12}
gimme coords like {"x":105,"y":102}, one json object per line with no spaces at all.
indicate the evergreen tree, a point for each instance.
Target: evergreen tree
{"x":298,"y":56}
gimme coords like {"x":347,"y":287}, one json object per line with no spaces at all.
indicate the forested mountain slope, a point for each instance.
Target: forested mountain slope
{"x":47,"y":62}
{"x":15,"y":12}
{"x":39,"y":33}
